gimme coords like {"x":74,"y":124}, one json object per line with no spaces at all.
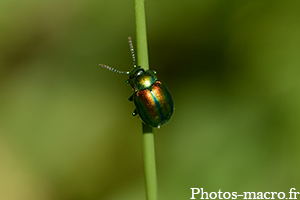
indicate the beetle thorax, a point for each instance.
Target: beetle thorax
{"x":142,"y":80}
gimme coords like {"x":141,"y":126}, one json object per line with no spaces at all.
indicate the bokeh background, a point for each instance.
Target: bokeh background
{"x":66,"y":130}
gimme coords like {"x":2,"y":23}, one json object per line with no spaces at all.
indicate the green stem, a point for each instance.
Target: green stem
{"x":149,"y":163}
{"x":148,"y":137}
{"x":141,"y":35}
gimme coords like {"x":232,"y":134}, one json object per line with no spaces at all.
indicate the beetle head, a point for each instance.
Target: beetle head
{"x":136,"y":71}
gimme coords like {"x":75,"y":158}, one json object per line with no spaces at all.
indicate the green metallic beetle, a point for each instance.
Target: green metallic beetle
{"x":153,"y":102}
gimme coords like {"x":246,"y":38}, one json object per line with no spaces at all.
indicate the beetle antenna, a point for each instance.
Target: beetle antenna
{"x":113,"y":69}
{"x":132,"y":51}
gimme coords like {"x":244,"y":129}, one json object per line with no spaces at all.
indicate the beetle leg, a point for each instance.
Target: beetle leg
{"x":134,"y":113}
{"x":131,"y":98}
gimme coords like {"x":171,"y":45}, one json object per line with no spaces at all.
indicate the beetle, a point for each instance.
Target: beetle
{"x":153,"y":101}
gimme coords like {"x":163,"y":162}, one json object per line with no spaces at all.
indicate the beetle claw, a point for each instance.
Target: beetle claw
{"x":130,"y":98}
{"x":134,"y":113}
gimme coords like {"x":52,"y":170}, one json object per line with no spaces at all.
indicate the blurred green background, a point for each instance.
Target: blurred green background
{"x":66,"y":130}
